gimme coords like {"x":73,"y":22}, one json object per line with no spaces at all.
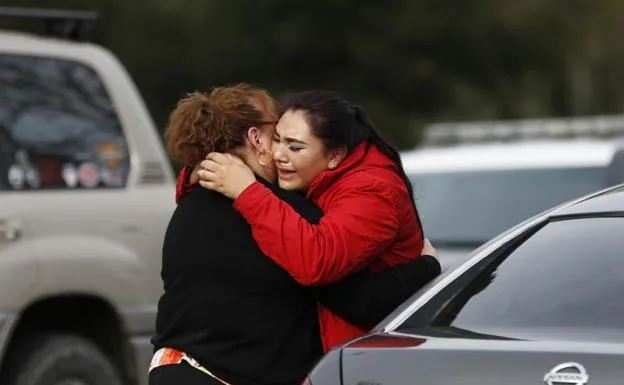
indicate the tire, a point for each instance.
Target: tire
{"x":59,"y":359}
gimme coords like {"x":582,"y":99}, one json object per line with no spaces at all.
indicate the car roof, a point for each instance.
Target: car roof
{"x":511,"y":155}
{"x":605,"y":203}
{"x":21,"y":43}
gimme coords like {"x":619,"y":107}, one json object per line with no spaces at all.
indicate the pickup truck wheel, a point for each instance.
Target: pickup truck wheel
{"x":61,"y":360}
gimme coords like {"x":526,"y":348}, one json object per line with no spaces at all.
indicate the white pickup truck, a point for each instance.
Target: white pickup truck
{"x":86,"y":192}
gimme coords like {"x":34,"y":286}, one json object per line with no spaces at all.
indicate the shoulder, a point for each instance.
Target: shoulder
{"x":202,"y":200}
{"x":379,"y":181}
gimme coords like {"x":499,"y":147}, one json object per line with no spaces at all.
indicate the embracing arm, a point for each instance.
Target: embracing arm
{"x":363,"y":220}
{"x":365,"y":298}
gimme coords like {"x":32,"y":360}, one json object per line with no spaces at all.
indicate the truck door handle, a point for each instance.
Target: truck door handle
{"x":9,"y":232}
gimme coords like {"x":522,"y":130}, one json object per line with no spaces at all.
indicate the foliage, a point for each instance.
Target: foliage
{"x":408,"y":62}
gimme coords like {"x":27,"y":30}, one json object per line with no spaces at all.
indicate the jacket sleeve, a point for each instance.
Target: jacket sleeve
{"x":360,"y":223}
{"x":366,"y":298}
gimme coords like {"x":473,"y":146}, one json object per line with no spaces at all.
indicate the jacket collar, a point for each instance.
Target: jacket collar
{"x":364,"y":156}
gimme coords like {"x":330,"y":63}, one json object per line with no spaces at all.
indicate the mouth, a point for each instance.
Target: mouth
{"x":285,"y":174}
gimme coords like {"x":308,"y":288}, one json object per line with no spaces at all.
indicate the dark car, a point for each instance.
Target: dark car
{"x":543,"y":302}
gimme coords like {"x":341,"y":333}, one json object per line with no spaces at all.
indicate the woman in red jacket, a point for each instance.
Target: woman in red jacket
{"x":327,"y":149}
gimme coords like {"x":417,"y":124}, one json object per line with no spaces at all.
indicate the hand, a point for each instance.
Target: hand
{"x":428,"y":249}
{"x":226,"y":174}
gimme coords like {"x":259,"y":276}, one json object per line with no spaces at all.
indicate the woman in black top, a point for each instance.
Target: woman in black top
{"x":238,"y":315}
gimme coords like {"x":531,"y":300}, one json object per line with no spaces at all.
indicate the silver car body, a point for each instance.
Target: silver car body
{"x":101,"y":243}
{"x":468,"y":193}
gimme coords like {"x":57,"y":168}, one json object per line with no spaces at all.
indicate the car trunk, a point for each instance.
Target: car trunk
{"x":479,"y":360}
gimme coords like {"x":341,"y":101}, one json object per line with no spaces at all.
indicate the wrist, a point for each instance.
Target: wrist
{"x":250,"y":200}
{"x":242,"y":188}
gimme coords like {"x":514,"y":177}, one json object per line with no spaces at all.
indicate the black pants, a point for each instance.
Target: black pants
{"x":180,"y":374}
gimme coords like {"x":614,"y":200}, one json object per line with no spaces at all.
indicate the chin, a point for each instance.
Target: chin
{"x":292,"y":185}
{"x":287,"y":185}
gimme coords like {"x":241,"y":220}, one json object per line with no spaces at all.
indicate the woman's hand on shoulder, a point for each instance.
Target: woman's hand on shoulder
{"x":226,"y":174}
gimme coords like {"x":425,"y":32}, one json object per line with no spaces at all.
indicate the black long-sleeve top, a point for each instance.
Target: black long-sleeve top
{"x":243,"y":317}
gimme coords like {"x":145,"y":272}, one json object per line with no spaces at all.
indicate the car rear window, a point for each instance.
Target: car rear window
{"x":569,"y":274}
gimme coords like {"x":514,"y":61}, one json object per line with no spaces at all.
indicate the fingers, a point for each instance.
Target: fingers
{"x":206,"y":176}
{"x":216,"y":157}
{"x":224,"y":158}
{"x":208,"y":185}
{"x":428,"y":248}
{"x":210,"y":165}
{"x":208,"y":171}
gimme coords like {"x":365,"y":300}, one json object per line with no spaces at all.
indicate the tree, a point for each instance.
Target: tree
{"x":407,"y":62}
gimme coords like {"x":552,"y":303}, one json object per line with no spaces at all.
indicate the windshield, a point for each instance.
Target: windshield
{"x":466,"y":209}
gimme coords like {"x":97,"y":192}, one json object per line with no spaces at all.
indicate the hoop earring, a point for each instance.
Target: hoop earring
{"x":264,"y":164}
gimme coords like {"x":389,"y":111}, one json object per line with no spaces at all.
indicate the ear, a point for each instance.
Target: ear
{"x":336,"y":156}
{"x":254,"y":136}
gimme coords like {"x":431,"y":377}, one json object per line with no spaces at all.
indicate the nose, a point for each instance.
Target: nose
{"x":279,"y":154}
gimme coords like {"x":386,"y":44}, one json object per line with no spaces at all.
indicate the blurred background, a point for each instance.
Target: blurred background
{"x":501,"y":109}
{"x":408,"y":62}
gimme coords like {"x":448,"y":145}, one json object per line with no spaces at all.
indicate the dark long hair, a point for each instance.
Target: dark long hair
{"x":339,"y":123}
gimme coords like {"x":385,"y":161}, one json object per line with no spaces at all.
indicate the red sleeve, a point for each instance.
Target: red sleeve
{"x":360,"y":223}
{"x":182,"y":185}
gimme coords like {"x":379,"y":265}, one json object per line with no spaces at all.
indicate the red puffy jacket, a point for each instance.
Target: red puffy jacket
{"x":368,"y":221}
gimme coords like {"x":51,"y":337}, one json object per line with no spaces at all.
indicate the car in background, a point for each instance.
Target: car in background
{"x":474,"y":180}
{"x":540,"y":303}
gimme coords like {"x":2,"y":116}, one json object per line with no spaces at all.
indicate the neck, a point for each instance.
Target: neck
{"x":251,"y":160}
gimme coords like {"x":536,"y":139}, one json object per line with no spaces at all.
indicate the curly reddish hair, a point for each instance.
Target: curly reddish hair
{"x":216,"y":121}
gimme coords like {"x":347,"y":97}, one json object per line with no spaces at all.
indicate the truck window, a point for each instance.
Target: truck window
{"x":58,"y":127}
